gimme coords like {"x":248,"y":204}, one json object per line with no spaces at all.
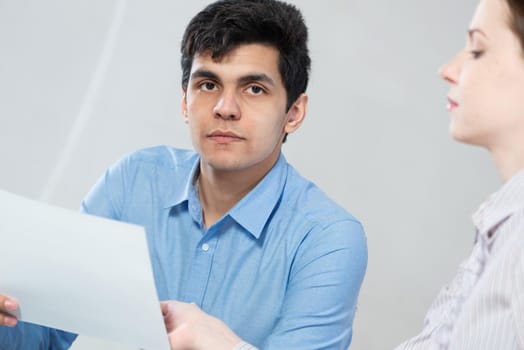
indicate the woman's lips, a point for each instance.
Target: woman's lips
{"x":452,"y":104}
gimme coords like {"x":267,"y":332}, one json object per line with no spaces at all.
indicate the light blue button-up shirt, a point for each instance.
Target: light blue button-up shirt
{"x":282,"y":268}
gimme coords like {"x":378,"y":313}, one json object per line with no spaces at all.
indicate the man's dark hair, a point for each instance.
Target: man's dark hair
{"x":224,"y":25}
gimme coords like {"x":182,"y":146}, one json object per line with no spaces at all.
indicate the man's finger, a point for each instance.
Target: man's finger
{"x":8,"y":304}
{"x":164,"y":306}
{"x":8,"y":321}
{"x":177,"y":313}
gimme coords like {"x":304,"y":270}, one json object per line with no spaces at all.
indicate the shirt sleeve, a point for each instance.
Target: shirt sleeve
{"x":440,"y":310}
{"x":517,"y":300}
{"x":30,"y":336}
{"x":106,"y":197}
{"x":443,"y":312}
{"x":324,"y":284}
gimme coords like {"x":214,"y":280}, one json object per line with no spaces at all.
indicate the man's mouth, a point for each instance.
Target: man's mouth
{"x":221,"y":136}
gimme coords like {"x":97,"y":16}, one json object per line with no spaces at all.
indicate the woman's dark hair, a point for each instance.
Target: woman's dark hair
{"x":516,"y":9}
{"x":224,"y":25}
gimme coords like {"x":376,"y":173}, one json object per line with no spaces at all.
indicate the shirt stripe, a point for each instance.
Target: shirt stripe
{"x":483,"y":307}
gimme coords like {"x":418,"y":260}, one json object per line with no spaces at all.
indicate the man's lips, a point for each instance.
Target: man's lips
{"x":224,"y":136}
{"x":452,"y":104}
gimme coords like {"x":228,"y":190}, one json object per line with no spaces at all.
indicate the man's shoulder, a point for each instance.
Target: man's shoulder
{"x":162,"y":156}
{"x":150,"y":175}
{"x":320,"y":224}
{"x":311,"y":202}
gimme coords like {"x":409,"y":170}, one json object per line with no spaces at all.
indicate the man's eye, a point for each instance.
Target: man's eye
{"x":208,"y":86}
{"x":255,"y":90}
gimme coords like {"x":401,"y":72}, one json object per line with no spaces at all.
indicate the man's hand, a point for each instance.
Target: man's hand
{"x":189,"y":328}
{"x":7,"y":305}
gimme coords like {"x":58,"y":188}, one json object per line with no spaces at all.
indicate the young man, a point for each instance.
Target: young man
{"x":247,"y":250}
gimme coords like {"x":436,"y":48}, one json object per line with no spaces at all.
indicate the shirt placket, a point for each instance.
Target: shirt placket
{"x":201,"y":268}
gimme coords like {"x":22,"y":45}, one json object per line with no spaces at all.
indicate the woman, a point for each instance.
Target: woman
{"x":483,"y":307}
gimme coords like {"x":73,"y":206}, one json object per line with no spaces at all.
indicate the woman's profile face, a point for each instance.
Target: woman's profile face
{"x":486,"y":94}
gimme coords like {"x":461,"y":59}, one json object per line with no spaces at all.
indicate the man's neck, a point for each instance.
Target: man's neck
{"x":220,"y":191}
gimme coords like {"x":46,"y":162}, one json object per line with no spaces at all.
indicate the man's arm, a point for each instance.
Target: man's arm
{"x":319,"y":308}
{"x":323,"y":288}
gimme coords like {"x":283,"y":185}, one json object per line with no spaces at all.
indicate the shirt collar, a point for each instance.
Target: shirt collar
{"x":500,"y":205}
{"x":253,"y":211}
{"x":181,"y":191}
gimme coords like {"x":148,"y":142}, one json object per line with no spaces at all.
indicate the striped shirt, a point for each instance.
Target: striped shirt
{"x":483,"y":307}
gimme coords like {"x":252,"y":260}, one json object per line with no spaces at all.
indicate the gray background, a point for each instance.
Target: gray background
{"x":84,"y":82}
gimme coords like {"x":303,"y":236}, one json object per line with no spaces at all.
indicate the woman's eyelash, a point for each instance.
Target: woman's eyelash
{"x":476,"y":53}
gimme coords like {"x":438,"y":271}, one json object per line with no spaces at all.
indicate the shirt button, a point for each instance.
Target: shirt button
{"x":205,"y":247}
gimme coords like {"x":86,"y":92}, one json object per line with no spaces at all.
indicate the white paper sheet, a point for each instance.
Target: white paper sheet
{"x":79,"y":273}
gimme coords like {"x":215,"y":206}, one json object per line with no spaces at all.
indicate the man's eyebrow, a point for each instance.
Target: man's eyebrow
{"x":261,"y":77}
{"x":203,"y":73}
{"x":472,"y":31}
{"x":256,"y":77}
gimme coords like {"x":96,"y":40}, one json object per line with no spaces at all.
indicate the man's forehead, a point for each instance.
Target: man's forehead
{"x":244,"y":59}
{"x":257,"y":49}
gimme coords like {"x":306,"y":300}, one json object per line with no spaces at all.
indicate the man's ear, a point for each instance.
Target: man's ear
{"x":296,"y":114}
{"x":183,"y":104}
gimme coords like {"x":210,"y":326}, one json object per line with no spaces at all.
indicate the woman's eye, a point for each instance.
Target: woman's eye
{"x":476,"y":53}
